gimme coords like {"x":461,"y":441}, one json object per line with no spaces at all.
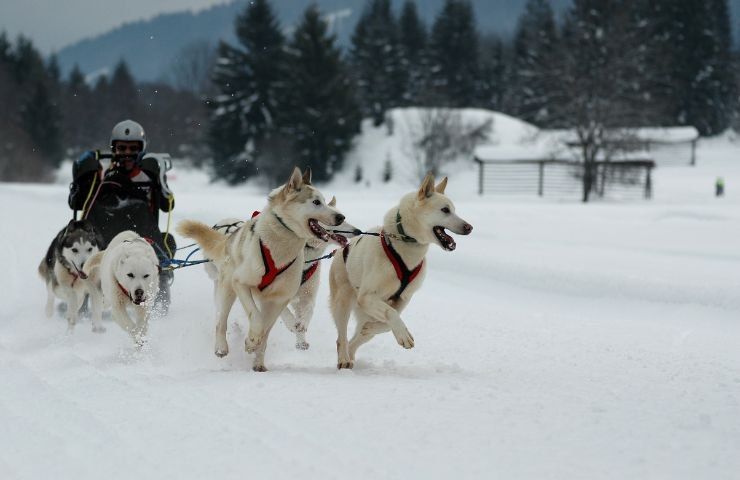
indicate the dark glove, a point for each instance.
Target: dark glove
{"x":86,"y":157}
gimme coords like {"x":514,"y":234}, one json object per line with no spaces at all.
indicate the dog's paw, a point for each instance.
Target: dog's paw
{"x":98,"y":329}
{"x":222,"y":348}
{"x":405,"y":339}
{"x":302,"y":345}
{"x":348,"y":365}
{"x":259,"y":368}
{"x":252,"y":343}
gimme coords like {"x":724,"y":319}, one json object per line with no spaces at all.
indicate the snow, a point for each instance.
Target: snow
{"x":559,"y":340}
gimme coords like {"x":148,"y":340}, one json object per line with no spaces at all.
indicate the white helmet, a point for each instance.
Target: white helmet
{"x":128,"y":131}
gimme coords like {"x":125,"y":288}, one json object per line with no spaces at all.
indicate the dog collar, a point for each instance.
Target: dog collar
{"x":125,"y":292}
{"x":271,"y":271}
{"x":401,"y":232}
{"x":75,"y":274}
{"x":404,"y":275}
{"x":282,"y":223}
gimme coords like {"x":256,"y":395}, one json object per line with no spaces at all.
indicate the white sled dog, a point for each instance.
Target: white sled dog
{"x":126,"y":275}
{"x":62,"y":268}
{"x":376,"y":277}
{"x":262,"y":262}
{"x":298,"y":314}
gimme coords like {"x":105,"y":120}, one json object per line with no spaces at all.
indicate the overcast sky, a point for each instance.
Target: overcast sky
{"x":53,"y":24}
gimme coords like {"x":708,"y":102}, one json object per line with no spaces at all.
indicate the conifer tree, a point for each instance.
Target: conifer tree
{"x":454,"y":56}
{"x":248,"y":79}
{"x":376,"y":59}
{"x":533,"y":74}
{"x":413,"y":44}
{"x":319,"y":114}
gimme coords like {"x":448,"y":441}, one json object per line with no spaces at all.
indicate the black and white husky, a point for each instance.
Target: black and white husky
{"x":62,"y":268}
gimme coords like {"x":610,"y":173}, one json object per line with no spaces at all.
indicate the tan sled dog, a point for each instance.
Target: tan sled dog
{"x":297,"y":315}
{"x":376,"y":277}
{"x":262,"y":262}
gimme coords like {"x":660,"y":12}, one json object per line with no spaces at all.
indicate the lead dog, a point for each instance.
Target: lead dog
{"x":377,"y":277}
{"x":126,"y":276}
{"x":261,"y":263}
{"x":297,"y":315}
{"x":62,"y":268}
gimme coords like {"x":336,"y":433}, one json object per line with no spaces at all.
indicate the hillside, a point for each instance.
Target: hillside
{"x":150,"y":46}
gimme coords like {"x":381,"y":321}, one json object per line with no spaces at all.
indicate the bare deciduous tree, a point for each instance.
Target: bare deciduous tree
{"x":191,"y":68}
{"x":437,"y":136}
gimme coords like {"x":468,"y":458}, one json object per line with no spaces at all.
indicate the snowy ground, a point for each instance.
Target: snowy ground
{"x":558,"y":341}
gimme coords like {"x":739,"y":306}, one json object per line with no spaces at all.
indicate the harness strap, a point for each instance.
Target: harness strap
{"x":405,"y":276}
{"x":75,"y":275}
{"x":271,"y":271}
{"x":308,"y":273}
{"x":345,"y":253}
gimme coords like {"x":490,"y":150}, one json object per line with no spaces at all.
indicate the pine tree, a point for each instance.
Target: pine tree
{"x":248,"y":79}
{"x":320,"y":114}
{"x":77,"y":105}
{"x":41,"y":120}
{"x":493,"y":83}
{"x":377,"y":63}
{"x":454,"y":56}
{"x":533,"y":73}
{"x":123,"y":94}
{"x":689,"y":52}
{"x":413,"y":45}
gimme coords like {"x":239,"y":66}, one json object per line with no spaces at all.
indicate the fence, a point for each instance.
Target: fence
{"x":564,"y":178}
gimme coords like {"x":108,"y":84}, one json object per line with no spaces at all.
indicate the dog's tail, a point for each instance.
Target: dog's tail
{"x":43,"y":269}
{"x":210,"y":241}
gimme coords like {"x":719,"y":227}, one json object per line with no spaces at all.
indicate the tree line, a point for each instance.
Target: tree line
{"x":273,"y":100}
{"x":47,"y":119}
{"x":606,"y":64}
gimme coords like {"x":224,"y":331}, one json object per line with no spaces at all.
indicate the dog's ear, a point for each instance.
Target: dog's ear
{"x":440,"y":188}
{"x":295,"y":182}
{"x":307,"y":176}
{"x":427,"y":187}
{"x":333,"y":202}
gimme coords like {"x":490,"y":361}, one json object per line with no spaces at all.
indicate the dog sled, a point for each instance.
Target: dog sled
{"x":111,"y":214}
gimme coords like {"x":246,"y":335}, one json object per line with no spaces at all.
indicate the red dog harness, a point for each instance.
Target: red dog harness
{"x":405,"y":276}
{"x":271,"y":271}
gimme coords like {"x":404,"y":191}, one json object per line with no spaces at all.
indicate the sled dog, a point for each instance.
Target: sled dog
{"x":297,"y":315}
{"x":62,"y":268}
{"x":126,"y":275}
{"x":377,"y":276}
{"x":261,"y":264}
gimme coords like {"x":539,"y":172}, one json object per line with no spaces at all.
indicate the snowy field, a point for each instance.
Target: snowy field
{"x":558,"y":341}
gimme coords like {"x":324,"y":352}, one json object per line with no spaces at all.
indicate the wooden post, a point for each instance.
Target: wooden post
{"x":541,"y":186}
{"x":480,"y":176}
{"x":649,"y":183}
{"x":693,"y":153}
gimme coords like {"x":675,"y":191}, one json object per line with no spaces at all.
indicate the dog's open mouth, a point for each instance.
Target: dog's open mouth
{"x":318,"y":230}
{"x":80,"y":273}
{"x":340,"y":239}
{"x":447,"y":242}
{"x":138,"y":301}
